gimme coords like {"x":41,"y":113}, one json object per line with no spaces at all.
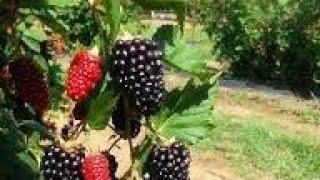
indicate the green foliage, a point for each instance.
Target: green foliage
{"x":63,"y":3}
{"x":266,"y":39}
{"x":18,"y":161}
{"x":80,"y":21}
{"x":101,"y":107}
{"x":113,"y":17}
{"x":187,"y":58}
{"x":185,"y":116}
{"x":55,"y":85}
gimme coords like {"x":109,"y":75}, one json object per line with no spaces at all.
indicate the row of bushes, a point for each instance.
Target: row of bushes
{"x":269,"y":40}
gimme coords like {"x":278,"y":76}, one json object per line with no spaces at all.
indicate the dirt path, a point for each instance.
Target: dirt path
{"x":211,"y":166}
{"x":277,"y":111}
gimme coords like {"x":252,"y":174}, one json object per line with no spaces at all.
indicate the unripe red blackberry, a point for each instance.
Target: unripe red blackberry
{"x":96,"y":167}
{"x":59,"y":164}
{"x":138,"y":70}
{"x":118,"y":120}
{"x":84,"y":73}
{"x":30,"y":83}
{"x":170,"y":162}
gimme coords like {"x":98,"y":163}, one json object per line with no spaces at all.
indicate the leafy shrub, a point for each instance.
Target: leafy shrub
{"x":271,"y":40}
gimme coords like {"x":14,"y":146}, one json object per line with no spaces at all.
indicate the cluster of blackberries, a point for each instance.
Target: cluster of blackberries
{"x":138,"y":70}
{"x":30,"y":83}
{"x":60,"y":164}
{"x":119,"y":122}
{"x":169,"y":163}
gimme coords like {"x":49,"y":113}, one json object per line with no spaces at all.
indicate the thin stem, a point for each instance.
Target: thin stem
{"x":153,"y":132}
{"x":114,"y":144}
{"x":127,"y":115}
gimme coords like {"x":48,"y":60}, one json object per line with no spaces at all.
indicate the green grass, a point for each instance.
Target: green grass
{"x":308,"y":115}
{"x":277,"y":153}
{"x":256,"y":148}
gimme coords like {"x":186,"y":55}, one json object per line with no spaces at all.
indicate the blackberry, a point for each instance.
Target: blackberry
{"x":169,"y":162}
{"x":83,"y":75}
{"x":72,"y":129}
{"x":118,"y":120}
{"x":138,"y":70}
{"x":30,"y":83}
{"x":96,"y":167}
{"x":58,"y":164}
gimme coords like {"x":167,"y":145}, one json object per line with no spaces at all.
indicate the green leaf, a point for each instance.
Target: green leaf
{"x":15,"y":160}
{"x":186,"y":58}
{"x":35,"y":126}
{"x":54,"y":24}
{"x":27,"y":168}
{"x":185,"y":116}
{"x":63,"y":3}
{"x":142,"y":154}
{"x":20,"y":165}
{"x":31,"y":43}
{"x":113,"y":17}
{"x":101,"y":107}
{"x":34,"y":148}
{"x":35,"y":33}
{"x":42,"y":63}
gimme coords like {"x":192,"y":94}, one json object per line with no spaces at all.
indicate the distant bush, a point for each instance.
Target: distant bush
{"x":270,"y":40}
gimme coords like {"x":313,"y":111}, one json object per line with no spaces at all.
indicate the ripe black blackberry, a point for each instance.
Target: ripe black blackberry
{"x":139,"y":71}
{"x":169,"y":163}
{"x":72,"y":129}
{"x":58,"y":164}
{"x":118,"y":120}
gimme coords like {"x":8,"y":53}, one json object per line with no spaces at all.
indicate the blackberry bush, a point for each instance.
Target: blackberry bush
{"x":134,"y":74}
{"x":138,"y":70}
{"x":59,"y":164}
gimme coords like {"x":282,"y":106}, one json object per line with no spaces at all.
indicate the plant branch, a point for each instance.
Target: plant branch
{"x":154,"y":133}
